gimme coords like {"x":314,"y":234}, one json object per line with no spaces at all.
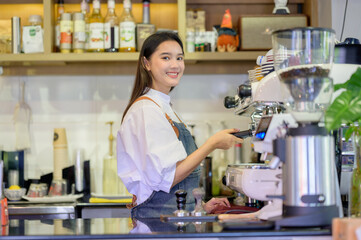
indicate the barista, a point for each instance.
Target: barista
{"x":155,"y":151}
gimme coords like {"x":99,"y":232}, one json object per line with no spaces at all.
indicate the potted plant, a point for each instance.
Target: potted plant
{"x":346,"y":109}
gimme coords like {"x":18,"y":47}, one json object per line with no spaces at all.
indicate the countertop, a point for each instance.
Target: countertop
{"x":124,"y":228}
{"x":72,"y":210}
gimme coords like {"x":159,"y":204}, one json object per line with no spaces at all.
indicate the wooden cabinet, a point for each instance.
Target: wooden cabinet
{"x":166,"y":14}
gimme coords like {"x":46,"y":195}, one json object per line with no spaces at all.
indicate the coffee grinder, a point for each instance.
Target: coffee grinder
{"x":302,"y":61}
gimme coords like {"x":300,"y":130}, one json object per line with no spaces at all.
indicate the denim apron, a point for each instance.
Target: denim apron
{"x":162,"y":203}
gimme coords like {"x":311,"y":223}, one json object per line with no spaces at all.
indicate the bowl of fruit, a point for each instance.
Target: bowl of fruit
{"x":14,"y":192}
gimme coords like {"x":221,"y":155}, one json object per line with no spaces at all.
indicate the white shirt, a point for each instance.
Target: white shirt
{"x":147,"y":147}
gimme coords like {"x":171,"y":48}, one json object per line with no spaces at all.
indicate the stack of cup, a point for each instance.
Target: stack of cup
{"x":61,"y":160}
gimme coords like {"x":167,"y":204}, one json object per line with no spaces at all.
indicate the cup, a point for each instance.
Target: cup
{"x":79,"y":171}
{"x":58,"y":188}
{"x":60,"y":148}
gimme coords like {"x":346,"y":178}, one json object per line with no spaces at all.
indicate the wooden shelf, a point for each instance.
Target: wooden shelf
{"x":50,"y":63}
{"x":121,"y":63}
{"x":8,"y":59}
{"x":36,"y":58}
{"x":226,"y":56}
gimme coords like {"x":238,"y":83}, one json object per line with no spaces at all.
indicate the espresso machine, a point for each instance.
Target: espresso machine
{"x":295,"y":139}
{"x":302,"y":60}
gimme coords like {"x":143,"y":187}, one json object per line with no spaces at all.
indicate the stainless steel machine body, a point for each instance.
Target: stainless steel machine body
{"x":309,"y":176}
{"x":309,"y":171}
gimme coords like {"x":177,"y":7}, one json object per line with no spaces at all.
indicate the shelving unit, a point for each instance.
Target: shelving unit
{"x":125,"y":63}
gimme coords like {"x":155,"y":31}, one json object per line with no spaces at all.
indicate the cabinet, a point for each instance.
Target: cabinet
{"x":164,"y":14}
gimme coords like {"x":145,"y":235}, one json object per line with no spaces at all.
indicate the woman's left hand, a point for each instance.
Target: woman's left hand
{"x":212,"y":204}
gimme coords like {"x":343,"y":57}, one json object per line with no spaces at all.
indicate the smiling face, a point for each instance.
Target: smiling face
{"x":166,"y":66}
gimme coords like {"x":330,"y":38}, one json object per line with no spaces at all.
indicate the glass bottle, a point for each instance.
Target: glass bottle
{"x":96,"y":29}
{"x":146,"y":15}
{"x":355,"y":191}
{"x":66,"y":32}
{"x":60,"y":10}
{"x":79,"y":35}
{"x":127,"y":28}
{"x":110,"y":173}
{"x":111,"y":29}
{"x":84,"y":8}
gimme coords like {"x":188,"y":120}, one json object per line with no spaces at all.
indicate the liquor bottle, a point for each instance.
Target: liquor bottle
{"x":60,"y":10}
{"x":144,"y":29}
{"x":84,"y":7}
{"x":111,"y":29}
{"x":127,"y":28}
{"x":96,"y":29}
{"x":146,"y":16}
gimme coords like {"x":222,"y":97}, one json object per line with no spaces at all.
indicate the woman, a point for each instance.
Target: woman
{"x":156,"y":153}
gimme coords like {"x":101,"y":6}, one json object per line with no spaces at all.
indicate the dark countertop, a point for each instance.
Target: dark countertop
{"x":124,"y":228}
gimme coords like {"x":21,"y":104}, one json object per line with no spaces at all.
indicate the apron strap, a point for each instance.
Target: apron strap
{"x":166,"y":115}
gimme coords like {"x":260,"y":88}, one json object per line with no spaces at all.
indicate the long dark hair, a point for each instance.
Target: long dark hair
{"x":143,"y":79}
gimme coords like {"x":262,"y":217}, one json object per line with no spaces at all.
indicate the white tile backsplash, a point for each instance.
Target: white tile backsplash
{"x":83,"y":104}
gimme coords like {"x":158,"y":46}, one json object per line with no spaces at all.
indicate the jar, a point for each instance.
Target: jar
{"x":66,"y":32}
{"x":32,"y":35}
{"x":35,"y":20}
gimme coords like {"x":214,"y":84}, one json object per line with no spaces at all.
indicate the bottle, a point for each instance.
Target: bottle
{"x":110,"y":176}
{"x":32,"y":35}
{"x":79,"y":35}
{"x":146,"y":15}
{"x":144,"y":29}
{"x":127,"y":28}
{"x":84,"y":8}
{"x":60,"y":10}
{"x":96,"y":29}
{"x":111,"y":29}
{"x":66,"y":33}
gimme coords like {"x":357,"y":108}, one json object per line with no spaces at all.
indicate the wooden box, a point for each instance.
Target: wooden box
{"x":255,"y":30}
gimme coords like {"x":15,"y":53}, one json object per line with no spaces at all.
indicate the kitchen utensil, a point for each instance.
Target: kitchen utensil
{"x":58,"y":187}
{"x":15,"y":194}
{"x":37,"y":190}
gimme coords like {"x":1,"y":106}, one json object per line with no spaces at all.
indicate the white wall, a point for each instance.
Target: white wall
{"x":83,"y":104}
{"x":352,"y":20}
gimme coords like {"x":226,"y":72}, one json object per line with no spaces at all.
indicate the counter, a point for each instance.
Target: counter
{"x":71,"y":210}
{"x":26,"y":210}
{"x":124,"y":228}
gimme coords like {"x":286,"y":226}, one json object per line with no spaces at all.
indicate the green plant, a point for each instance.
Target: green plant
{"x":346,"y":108}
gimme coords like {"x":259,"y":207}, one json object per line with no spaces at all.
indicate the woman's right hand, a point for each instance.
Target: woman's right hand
{"x":224,"y":139}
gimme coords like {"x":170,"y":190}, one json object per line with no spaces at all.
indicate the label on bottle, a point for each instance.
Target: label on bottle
{"x":79,"y":31}
{"x":66,"y":31}
{"x":96,"y":35}
{"x":87,"y":36}
{"x":111,"y":36}
{"x":127,"y":34}
{"x":32,"y":39}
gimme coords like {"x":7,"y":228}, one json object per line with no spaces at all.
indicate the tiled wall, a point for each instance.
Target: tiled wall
{"x":83,"y":105}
